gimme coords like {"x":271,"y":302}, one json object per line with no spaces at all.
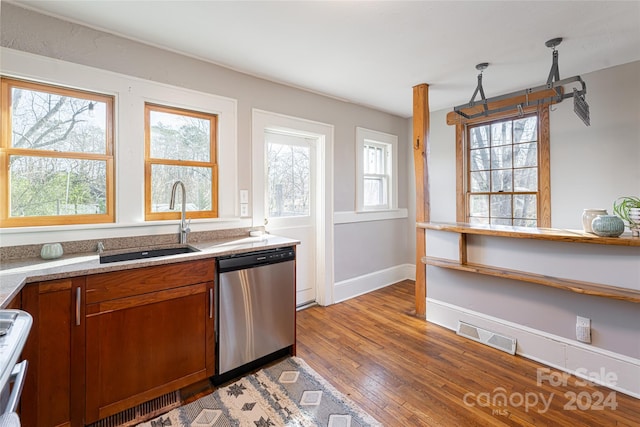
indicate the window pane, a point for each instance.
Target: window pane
{"x":289,"y":180}
{"x":375,"y":193}
{"x":501,"y":157}
{"x":525,"y":155}
{"x":47,"y":121}
{"x":479,"y":181}
{"x":479,"y":137}
{"x":479,"y":205}
{"x":47,"y":186}
{"x":503,"y":161}
{"x":500,"y":206}
{"x":374,"y":160}
{"x":525,"y":130}
{"x":197,"y":183}
{"x":524,"y":206}
{"x":501,"y":180}
{"x":525,"y":222}
{"x":501,"y":221}
{"x":501,"y":133}
{"x":179,"y":137}
{"x":525,"y":179}
{"x":479,"y":159}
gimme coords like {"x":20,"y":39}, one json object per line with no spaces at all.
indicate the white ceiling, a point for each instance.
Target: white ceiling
{"x":373,"y":52}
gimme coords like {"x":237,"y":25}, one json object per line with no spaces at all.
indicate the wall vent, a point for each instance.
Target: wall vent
{"x":487,"y":337}
{"x":141,"y":412}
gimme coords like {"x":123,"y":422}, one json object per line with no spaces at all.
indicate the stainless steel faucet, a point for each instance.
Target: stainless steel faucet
{"x":184,"y":225}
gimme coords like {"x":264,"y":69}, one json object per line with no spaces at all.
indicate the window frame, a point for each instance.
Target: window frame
{"x":389,"y":142}
{"x":543,"y":194}
{"x":6,"y":151}
{"x":150,"y":161}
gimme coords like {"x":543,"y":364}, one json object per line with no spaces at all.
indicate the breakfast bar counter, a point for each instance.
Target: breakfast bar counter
{"x":551,"y":257}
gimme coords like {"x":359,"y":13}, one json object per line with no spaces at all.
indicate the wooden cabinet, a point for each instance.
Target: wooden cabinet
{"x":104,"y":343}
{"x":15,"y":303}
{"x":149,"y":331}
{"x":53,"y":390}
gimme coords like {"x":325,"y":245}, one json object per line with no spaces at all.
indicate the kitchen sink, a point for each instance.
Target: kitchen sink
{"x":146,"y":253}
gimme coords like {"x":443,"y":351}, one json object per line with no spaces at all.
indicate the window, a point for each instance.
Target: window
{"x":56,"y":156}
{"x":376,"y":156}
{"x":180,"y":145}
{"x":289,"y":161}
{"x":507,"y":171}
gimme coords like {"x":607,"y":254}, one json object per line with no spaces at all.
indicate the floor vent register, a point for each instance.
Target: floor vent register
{"x":487,"y":337}
{"x":141,"y":412}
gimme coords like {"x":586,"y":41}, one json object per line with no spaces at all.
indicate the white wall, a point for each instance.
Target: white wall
{"x":31,"y":32}
{"x":592,"y":166}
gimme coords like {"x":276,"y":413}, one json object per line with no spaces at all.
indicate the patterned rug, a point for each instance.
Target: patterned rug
{"x":288,"y":393}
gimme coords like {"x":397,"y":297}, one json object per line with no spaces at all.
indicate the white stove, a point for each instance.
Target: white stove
{"x":14,"y":330}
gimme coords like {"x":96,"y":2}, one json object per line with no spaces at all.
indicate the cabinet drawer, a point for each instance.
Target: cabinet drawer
{"x":126,"y":283}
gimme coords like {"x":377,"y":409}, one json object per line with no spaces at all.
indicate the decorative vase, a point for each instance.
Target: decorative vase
{"x":607,"y":225}
{"x":51,"y":251}
{"x":587,"y":217}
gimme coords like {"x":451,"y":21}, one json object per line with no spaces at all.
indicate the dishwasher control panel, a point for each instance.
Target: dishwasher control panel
{"x":255,"y":259}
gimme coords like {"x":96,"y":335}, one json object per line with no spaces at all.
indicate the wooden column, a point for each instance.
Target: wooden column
{"x":420,"y":151}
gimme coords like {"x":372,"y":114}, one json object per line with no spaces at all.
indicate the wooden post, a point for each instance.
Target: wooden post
{"x":420,"y":150}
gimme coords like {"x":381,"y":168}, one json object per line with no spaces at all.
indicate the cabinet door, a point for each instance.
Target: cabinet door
{"x":143,"y":346}
{"x":53,"y":393}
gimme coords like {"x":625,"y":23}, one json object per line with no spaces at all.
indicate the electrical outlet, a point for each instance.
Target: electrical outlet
{"x":244,"y":209}
{"x":583,"y":329}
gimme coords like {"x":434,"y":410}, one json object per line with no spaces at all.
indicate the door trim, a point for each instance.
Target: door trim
{"x":262,"y":120}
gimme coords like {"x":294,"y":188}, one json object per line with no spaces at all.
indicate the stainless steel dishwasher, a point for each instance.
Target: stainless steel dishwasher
{"x":255,"y":309}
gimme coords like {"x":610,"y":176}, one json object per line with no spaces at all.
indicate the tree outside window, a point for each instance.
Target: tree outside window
{"x":57,"y":155}
{"x":180,"y":146}
{"x":505,"y":162}
{"x":288,"y":175}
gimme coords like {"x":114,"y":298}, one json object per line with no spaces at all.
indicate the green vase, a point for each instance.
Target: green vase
{"x":607,"y":226}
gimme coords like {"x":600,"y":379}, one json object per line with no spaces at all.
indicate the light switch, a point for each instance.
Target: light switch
{"x":244,"y":196}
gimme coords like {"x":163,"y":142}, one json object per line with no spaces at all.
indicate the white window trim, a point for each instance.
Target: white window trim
{"x":363,"y":135}
{"x":131,"y":93}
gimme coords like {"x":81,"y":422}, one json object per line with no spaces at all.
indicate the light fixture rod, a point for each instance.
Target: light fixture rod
{"x":479,"y":89}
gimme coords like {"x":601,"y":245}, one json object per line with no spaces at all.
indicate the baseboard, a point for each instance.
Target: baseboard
{"x":360,"y":285}
{"x":615,"y":371}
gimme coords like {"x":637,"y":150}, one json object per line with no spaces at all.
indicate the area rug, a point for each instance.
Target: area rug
{"x":288,"y":393}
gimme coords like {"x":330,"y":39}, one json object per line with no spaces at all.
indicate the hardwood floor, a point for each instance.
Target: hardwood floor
{"x":407,"y":372}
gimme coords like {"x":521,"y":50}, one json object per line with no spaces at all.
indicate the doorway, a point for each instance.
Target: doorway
{"x":293,"y":194}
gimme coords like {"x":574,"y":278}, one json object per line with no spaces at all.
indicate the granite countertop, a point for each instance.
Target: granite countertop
{"x":15,"y":274}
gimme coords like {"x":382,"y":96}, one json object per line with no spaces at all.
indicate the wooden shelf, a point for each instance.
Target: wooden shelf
{"x":552,"y":234}
{"x":580,"y":287}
